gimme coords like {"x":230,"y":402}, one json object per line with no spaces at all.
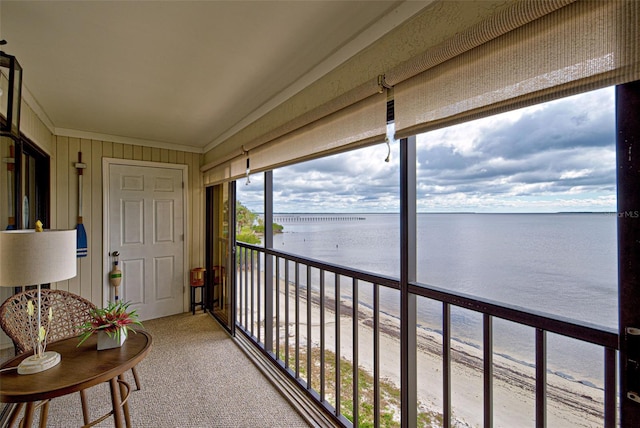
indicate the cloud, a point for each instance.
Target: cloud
{"x":565,"y":147}
{"x":557,"y":156}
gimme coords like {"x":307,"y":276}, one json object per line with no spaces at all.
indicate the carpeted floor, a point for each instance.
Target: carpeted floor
{"x":195,"y":376}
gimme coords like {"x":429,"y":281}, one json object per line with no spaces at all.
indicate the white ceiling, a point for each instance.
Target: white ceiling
{"x":181,"y":73}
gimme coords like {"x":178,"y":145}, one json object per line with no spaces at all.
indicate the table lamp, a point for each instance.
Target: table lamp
{"x":28,"y":257}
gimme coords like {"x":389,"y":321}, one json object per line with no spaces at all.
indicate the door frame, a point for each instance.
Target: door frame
{"x":106,"y":259}
{"x":212,"y":235}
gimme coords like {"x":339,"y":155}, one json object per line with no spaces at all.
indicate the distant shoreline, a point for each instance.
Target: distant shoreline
{"x":438,"y":213}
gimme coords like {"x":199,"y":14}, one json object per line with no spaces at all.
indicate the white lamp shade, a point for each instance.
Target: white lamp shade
{"x":28,"y":257}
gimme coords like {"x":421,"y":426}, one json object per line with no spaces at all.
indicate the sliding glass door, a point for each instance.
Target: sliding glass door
{"x":220,"y":234}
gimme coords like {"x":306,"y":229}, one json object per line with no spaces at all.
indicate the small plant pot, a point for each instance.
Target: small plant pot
{"x":106,"y":342}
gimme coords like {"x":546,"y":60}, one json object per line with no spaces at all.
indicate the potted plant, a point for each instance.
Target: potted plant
{"x":112,"y":324}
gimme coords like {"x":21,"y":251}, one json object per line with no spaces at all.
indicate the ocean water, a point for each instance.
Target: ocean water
{"x":558,"y":264}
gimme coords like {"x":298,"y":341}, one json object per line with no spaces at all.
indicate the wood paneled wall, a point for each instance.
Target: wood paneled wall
{"x":64,"y":202}
{"x":63,"y":152}
{"x":34,"y":128}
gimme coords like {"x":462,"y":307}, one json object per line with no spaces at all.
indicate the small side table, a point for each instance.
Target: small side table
{"x":81,"y":367}
{"x":197,"y":280}
{"x":203,"y":297}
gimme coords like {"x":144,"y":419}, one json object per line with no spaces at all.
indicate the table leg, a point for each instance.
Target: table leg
{"x":28,"y":414}
{"x":85,"y":407}
{"x":135,"y":377}
{"x":44,"y":413}
{"x":115,"y":402}
{"x":125,"y":407}
{"x":15,"y":414}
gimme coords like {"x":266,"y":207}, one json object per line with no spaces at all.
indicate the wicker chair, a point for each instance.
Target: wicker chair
{"x":70,"y":311}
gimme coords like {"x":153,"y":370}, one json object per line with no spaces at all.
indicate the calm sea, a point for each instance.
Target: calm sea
{"x":559,"y":264}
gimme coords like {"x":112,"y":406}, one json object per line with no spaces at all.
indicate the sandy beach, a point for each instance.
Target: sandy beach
{"x":569,"y":403}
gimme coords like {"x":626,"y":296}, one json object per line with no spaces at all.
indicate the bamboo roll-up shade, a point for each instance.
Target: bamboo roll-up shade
{"x":519,"y":13}
{"x":357,"y":125}
{"x":347,"y":99}
{"x":582,"y":46}
{"x":219,"y":174}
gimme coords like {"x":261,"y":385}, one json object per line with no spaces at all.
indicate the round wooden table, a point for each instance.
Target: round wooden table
{"x":80,"y":368}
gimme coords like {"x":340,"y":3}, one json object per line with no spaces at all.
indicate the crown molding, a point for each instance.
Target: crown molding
{"x":74,"y":133}
{"x":30,"y":100}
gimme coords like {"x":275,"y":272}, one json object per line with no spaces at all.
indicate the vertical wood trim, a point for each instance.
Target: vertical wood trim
{"x":127,"y":151}
{"x":191,"y":213}
{"x":189,"y":226}
{"x":62,"y":196}
{"x":117,"y":150}
{"x":146,"y":153}
{"x":196,"y":211}
{"x":137,"y":153}
{"x":35,"y":129}
{"x":201,"y":208}
{"x":197,"y":208}
{"x":192,"y":238}
{"x":155,"y":154}
{"x":72,"y":216}
{"x":53,"y":183}
{"x":85,"y":267}
{"x":107,"y":149}
{"x":201,"y":215}
{"x":4,"y":167}
{"x":95,"y":171}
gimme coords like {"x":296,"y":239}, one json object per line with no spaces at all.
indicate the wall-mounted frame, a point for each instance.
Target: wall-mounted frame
{"x":24,"y":185}
{"x":10,"y":95}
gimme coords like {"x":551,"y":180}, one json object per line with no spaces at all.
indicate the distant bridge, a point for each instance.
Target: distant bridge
{"x":310,"y":218}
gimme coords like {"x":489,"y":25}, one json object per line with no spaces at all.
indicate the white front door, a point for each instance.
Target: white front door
{"x":146,"y":226}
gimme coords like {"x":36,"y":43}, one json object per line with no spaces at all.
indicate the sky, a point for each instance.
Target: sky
{"x":552,"y":157}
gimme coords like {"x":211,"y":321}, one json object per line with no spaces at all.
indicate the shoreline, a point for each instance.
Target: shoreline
{"x":569,"y":401}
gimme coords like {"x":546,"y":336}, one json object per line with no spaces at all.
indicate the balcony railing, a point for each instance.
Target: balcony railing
{"x":325,"y":327}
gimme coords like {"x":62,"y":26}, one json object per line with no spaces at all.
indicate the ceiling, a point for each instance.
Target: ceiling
{"x":180,"y":74}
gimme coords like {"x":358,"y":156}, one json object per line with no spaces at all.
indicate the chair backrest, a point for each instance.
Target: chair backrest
{"x":69,"y":312}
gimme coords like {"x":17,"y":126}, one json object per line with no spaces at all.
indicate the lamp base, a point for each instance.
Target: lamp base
{"x":35,"y":364}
